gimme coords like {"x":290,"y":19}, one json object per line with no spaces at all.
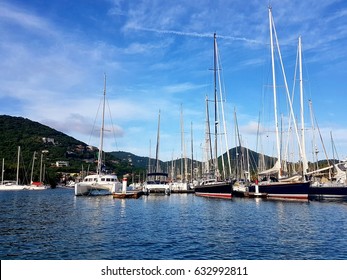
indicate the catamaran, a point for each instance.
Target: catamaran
{"x":100,"y":181}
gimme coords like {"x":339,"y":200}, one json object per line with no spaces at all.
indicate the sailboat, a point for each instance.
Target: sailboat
{"x":212,"y":185}
{"x":240,"y":187}
{"x":101,"y":181}
{"x":181,"y":185}
{"x":272,"y":182}
{"x":336,"y":187}
{"x":330,"y":190}
{"x":333,"y":188}
{"x":157,"y":181}
{"x":38,"y":185}
{"x":10,"y":185}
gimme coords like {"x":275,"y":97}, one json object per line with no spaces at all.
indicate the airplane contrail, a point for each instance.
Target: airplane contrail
{"x":196,"y":34}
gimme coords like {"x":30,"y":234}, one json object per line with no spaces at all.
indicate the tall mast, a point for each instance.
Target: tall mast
{"x":172,"y":167}
{"x":303,"y":150}
{"x":237,"y":158}
{"x":183,"y":153}
{"x":274,"y":91}
{"x":191,"y":146}
{"x":156,"y":167}
{"x":2,"y":171}
{"x":240,"y":154}
{"x":102,"y":130}
{"x":248,"y":167}
{"x":17,"y":178}
{"x":41,"y":160}
{"x":209,"y":152}
{"x":149,"y":158}
{"x":32,"y":168}
{"x":215,"y":103}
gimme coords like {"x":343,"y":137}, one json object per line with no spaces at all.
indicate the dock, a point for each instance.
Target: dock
{"x":128,"y":194}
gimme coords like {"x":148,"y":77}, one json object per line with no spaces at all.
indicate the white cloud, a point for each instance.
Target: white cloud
{"x":10,"y":14}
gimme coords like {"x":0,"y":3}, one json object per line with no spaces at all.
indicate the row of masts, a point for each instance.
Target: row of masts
{"x":212,"y":150}
{"x":41,"y":173}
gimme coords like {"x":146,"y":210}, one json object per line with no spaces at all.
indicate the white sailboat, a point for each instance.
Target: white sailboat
{"x":100,"y":181}
{"x":37,"y":185}
{"x":10,"y":185}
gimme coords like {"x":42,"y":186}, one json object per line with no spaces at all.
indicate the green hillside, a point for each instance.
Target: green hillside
{"x":56,"y":146}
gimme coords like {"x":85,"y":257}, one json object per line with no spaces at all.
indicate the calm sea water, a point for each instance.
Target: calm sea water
{"x":54,"y":224}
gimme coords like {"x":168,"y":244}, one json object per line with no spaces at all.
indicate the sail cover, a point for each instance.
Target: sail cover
{"x":275,"y":169}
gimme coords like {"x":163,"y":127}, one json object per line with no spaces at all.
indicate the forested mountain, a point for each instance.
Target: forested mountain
{"x":33,"y":136}
{"x":61,"y":153}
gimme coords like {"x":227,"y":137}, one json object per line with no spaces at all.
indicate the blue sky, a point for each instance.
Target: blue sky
{"x":157,"y":55}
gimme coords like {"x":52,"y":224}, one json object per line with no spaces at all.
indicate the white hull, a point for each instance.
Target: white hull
{"x":13,"y":187}
{"x":157,"y":188}
{"x":38,"y":188}
{"x":85,"y":188}
{"x":179,"y":186}
{"x":106,"y":183}
{"x":162,"y":187}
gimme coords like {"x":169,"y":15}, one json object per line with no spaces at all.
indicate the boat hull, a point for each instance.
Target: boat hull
{"x":327,"y":193}
{"x":86,"y":189}
{"x":12,"y":187}
{"x":215,"y":190}
{"x":284,"y":190}
{"x":159,"y":188}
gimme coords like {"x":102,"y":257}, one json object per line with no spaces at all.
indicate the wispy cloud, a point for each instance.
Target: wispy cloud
{"x":13,"y":15}
{"x":185,"y":87}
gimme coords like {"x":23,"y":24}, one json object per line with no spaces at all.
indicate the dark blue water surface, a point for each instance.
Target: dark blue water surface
{"x":54,"y":224}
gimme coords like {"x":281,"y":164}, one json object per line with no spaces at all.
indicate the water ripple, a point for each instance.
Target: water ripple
{"x":54,"y":224}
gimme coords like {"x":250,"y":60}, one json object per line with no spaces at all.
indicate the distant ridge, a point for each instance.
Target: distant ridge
{"x":136,"y":161}
{"x":33,"y":136}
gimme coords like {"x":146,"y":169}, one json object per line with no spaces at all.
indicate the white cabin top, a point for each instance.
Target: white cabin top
{"x":101,"y":178}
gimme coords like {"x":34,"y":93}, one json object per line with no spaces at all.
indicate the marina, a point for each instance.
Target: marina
{"x":55,"y":224}
{"x":248,"y":173}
